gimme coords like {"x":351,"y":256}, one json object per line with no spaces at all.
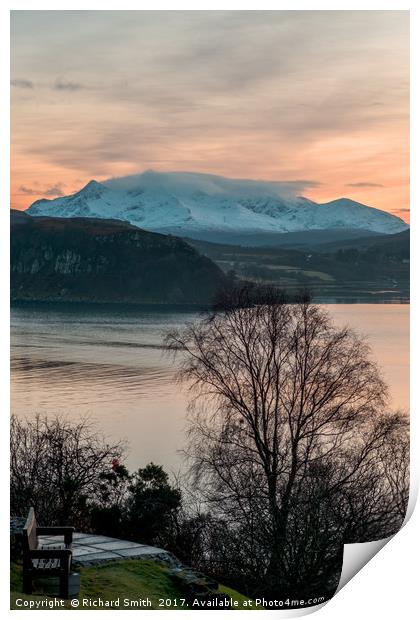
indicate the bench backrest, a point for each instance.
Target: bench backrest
{"x":30,"y":538}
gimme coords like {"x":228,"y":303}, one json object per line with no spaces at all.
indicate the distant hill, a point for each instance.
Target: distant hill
{"x":300,"y":240}
{"x":374,"y":268}
{"x":91,"y":260}
{"x":215,"y":208}
{"x":399,"y":243}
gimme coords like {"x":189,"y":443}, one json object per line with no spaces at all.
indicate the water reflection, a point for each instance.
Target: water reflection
{"x":112,"y":365}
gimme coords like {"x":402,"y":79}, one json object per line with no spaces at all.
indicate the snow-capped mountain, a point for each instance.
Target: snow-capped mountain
{"x":192,"y":204}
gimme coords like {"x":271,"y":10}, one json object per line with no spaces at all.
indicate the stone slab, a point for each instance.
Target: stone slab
{"x":90,"y":549}
{"x":94,"y":540}
{"x":82,"y":550}
{"x":97,"y":539}
{"x":114,"y":545}
{"x":139,"y":551}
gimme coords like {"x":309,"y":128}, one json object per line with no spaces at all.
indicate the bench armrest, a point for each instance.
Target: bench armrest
{"x":49,"y":553}
{"x":66,"y":531}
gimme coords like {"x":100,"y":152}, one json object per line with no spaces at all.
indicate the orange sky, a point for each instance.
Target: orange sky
{"x":318,"y":97}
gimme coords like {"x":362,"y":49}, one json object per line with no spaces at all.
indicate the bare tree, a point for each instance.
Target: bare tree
{"x":59,"y":467}
{"x":290,"y":438}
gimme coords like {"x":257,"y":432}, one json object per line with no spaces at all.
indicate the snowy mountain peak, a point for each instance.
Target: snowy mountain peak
{"x":91,"y":189}
{"x":192,"y":204}
{"x":345,"y":202}
{"x":93,"y":183}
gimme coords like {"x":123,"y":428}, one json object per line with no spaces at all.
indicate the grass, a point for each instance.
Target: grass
{"x":127,"y":581}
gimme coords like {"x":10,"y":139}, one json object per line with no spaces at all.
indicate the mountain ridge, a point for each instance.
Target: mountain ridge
{"x":199,"y":204}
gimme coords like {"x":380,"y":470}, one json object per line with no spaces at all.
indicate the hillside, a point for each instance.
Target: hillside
{"x":398,"y":244}
{"x":88,"y":260}
{"x":303,"y":239}
{"x":375,"y":268}
{"x":214,"y":208}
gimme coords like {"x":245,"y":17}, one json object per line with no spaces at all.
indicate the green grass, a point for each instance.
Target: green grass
{"x":128,"y":580}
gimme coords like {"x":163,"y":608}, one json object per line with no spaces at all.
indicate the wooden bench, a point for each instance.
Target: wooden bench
{"x":47,"y":560}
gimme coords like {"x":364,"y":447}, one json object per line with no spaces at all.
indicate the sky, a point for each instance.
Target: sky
{"x":318,"y":99}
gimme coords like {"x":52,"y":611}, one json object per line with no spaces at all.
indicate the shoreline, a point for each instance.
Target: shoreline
{"x":164,"y":307}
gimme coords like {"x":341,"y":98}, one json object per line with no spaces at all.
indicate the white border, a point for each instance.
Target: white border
{"x":387,"y":586}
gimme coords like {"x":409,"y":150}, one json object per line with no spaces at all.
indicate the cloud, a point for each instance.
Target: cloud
{"x":54,"y":190}
{"x":364,"y":184}
{"x":22,"y":83}
{"x":275,"y":95}
{"x":57,"y":85}
{"x":28,"y":191}
{"x":402,"y":210}
{"x":305,"y":183}
{"x":71,"y":86}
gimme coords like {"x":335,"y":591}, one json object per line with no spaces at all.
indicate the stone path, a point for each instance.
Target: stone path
{"x":90,"y":549}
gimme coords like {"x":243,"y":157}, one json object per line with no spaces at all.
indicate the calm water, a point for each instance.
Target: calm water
{"x":112,"y":366}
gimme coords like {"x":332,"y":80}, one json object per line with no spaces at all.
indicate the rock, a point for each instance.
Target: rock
{"x":194,"y":585}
